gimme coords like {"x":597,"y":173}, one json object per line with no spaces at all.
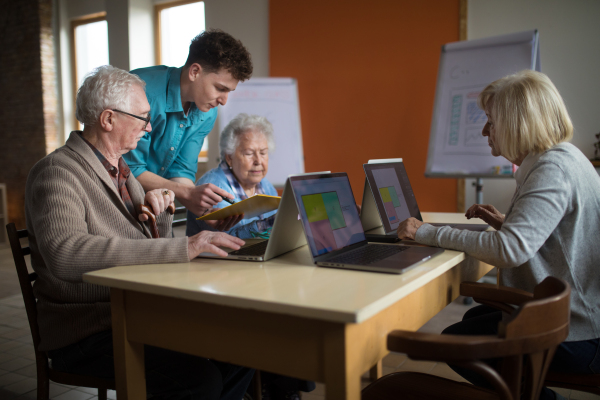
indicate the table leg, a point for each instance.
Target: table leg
{"x":342,"y":377}
{"x":129,"y":356}
{"x":376,"y":371}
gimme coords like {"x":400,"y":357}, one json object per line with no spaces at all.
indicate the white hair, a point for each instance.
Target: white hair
{"x":242,"y":123}
{"x":104,"y":88}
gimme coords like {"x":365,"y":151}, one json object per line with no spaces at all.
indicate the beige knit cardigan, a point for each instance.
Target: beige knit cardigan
{"x":77,"y":223}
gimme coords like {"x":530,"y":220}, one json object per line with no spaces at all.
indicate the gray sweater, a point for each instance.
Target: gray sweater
{"x":552,"y":228}
{"x":77,"y":223}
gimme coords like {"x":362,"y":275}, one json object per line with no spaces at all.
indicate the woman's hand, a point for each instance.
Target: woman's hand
{"x":408,"y":228}
{"x":223,"y":224}
{"x":209,"y":242}
{"x":158,"y":200}
{"x":487,"y":213}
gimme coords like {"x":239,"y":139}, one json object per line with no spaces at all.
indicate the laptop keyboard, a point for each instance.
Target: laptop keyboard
{"x":368,"y":254}
{"x":257,"y":249}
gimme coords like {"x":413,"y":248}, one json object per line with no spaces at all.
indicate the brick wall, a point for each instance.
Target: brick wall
{"x":28,"y":95}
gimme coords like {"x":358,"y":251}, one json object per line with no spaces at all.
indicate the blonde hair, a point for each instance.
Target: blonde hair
{"x":528,"y":112}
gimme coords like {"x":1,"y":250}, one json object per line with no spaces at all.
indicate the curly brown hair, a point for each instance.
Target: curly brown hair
{"x":214,"y":50}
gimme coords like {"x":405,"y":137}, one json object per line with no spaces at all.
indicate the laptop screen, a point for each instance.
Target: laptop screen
{"x":392,"y":193}
{"x":328,"y":212}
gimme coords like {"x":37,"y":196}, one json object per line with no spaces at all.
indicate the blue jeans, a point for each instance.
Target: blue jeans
{"x":169,"y":374}
{"x":581,"y":357}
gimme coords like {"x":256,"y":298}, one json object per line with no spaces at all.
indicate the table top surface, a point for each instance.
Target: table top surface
{"x":290,"y":284}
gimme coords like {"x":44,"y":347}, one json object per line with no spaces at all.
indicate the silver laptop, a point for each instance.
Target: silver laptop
{"x":388,"y":199}
{"x":334,"y":234}
{"x":286,"y":234}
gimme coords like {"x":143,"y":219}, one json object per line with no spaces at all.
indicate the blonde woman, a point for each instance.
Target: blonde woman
{"x":552,"y":225}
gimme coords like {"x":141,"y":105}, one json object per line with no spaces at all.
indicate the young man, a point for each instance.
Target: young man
{"x":183,"y":105}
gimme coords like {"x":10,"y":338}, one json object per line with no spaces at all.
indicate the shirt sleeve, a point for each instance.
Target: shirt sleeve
{"x":185,"y":164}
{"x":540,"y":205}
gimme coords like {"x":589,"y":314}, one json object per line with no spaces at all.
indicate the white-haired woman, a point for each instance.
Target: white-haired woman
{"x":244,"y":144}
{"x":552,"y":225}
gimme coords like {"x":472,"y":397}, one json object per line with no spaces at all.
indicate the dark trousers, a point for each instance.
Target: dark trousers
{"x":581,"y":357}
{"x":169,"y":374}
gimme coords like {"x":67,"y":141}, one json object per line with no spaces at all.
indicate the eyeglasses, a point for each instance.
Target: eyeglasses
{"x":146,"y":120}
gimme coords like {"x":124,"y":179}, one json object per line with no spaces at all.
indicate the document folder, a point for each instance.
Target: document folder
{"x":250,"y":207}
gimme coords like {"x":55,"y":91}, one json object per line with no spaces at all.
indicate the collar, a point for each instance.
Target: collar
{"x":174,"y":97}
{"x":112,"y":170}
{"x":525,"y":167}
{"x":238,"y":190}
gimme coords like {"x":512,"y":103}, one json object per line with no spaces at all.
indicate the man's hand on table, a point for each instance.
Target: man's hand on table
{"x":209,"y":242}
{"x":158,"y":200}
{"x":408,"y":228}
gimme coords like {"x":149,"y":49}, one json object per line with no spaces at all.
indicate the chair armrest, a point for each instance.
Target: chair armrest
{"x":495,"y":294}
{"x":449,"y":348}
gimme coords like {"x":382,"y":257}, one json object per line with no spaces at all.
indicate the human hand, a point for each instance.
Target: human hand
{"x":158,"y":200}
{"x":203,"y":197}
{"x":408,"y":228}
{"x":224,"y":224}
{"x":208,"y":242}
{"x":487,"y":213}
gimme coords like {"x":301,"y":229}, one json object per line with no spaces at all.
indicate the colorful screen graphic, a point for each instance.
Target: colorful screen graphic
{"x":328,"y":212}
{"x":324,"y":216}
{"x":390,"y":202}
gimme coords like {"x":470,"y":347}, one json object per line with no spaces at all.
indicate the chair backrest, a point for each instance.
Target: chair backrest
{"x":538,"y":327}
{"x":25,"y":279}
{"x":545,"y":315}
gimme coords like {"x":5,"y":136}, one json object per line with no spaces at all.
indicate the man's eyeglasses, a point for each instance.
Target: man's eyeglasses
{"x":146,"y":120}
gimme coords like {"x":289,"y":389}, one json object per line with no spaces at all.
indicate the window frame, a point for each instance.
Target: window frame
{"x":203,"y":156}
{"x":75,"y":23}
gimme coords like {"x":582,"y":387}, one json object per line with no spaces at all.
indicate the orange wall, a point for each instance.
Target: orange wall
{"x":366,"y":74}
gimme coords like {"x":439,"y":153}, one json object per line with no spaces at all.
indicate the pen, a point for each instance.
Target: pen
{"x":227,"y":200}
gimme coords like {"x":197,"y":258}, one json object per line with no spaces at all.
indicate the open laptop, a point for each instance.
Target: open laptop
{"x":334,"y":234}
{"x":388,"y":199}
{"x":286,"y":234}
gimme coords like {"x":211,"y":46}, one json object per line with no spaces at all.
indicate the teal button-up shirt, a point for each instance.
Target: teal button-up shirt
{"x":171,"y":149}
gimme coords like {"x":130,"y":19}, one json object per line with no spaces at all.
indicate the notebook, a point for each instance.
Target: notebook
{"x":286,"y":234}
{"x":388,"y":199}
{"x":335,"y":235}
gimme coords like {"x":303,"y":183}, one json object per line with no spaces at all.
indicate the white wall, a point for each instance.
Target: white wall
{"x":570,"y":55}
{"x":247,"y":21}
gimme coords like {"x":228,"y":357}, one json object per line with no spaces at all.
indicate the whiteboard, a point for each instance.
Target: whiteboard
{"x":277,"y":100}
{"x":456,"y":146}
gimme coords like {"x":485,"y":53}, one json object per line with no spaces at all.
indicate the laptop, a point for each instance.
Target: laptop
{"x":335,"y":235}
{"x":286,"y":234}
{"x":388,"y":199}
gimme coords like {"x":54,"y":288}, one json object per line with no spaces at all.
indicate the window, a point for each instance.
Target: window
{"x":177,"y":24}
{"x":89,"y":44}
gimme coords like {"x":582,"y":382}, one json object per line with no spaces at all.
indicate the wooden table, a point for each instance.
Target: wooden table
{"x":332,"y":323}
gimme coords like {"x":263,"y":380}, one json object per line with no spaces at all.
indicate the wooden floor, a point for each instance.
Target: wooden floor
{"x":17,"y":362}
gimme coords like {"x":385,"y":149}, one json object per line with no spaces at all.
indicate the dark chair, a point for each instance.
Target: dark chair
{"x":584,"y":383}
{"x":526,"y":343}
{"x":45,"y":373}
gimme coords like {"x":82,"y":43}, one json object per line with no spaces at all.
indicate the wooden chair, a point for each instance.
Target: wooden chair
{"x":584,"y":383}
{"x":526,"y":343}
{"x":45,"y":373}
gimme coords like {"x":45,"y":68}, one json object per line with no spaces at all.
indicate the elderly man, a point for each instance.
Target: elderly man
{"x":81,"y":216}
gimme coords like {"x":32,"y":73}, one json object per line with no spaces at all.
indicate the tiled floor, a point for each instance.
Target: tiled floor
{"x":17,"y":361}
